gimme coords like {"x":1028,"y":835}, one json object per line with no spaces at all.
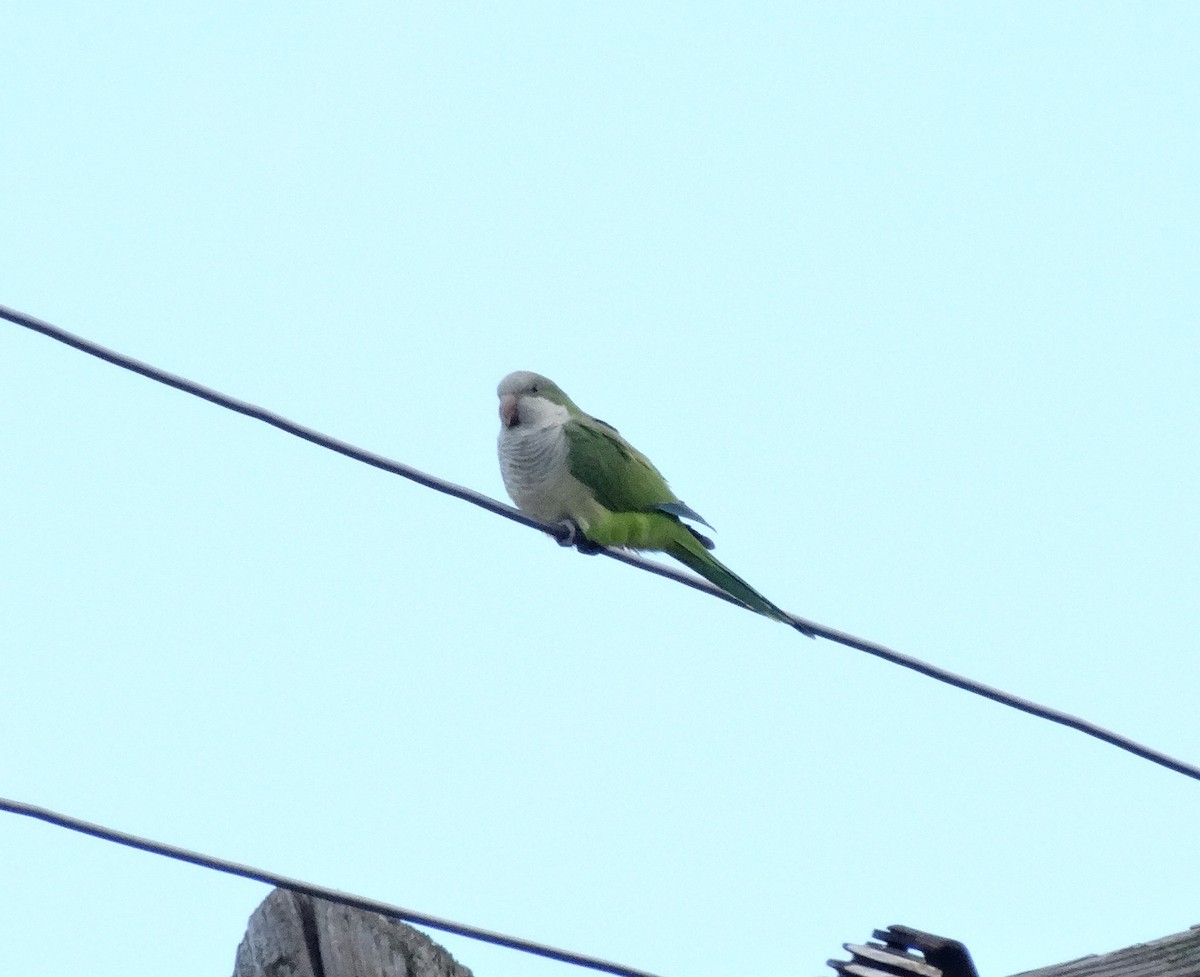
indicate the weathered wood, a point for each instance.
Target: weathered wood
{"x":293,"y":935}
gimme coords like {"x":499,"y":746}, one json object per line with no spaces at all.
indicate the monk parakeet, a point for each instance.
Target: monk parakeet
{"x":560,"y":464}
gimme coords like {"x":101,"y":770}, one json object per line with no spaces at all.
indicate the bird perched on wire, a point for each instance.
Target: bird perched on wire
{"x":561,"y":465}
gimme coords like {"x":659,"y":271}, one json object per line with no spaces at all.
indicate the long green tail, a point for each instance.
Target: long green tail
{"x":656,"y":531}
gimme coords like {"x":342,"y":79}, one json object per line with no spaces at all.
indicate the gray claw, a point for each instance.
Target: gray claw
{"x":567,"y":533}
{"x":571,"y":535}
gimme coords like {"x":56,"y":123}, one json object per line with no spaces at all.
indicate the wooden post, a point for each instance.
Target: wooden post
{"x":301,"y":936}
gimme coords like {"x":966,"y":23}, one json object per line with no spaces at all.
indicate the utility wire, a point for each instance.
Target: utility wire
{"x":317,"y":891}
{"x":563,"y":535}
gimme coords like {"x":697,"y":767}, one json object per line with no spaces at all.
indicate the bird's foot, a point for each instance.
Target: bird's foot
{"x":569,"y":534}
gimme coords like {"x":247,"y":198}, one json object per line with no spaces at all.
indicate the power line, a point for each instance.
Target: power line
{"x":562,"y":535}
{"x":317,"y":891}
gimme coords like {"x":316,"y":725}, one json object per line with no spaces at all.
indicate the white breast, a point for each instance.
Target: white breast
{"x":533,"y":464}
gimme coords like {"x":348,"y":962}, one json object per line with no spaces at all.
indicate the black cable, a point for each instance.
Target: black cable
{"x":561,"y":534}
{"x":317,"y":891}
{"x":270,"y":417}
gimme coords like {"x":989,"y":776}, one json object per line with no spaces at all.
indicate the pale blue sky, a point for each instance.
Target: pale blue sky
{"x":903,"y":299}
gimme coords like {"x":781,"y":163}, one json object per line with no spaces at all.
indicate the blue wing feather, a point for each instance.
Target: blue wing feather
{"x":682,"y":510}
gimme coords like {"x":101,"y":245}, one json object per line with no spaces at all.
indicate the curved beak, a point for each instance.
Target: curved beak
{"x":508,"y":410}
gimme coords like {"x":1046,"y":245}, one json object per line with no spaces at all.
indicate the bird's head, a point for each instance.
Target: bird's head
{"x":529,"y":399}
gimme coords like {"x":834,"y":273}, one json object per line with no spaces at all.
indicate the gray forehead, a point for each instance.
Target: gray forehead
{"x":515,"y":382}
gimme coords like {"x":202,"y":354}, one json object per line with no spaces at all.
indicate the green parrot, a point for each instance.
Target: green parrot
{"x":562,"y":465}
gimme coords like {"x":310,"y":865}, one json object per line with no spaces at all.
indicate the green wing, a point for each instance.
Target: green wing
{"x":622,"y":477}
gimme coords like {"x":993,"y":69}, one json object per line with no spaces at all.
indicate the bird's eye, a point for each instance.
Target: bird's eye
{"x":533,"y":389}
